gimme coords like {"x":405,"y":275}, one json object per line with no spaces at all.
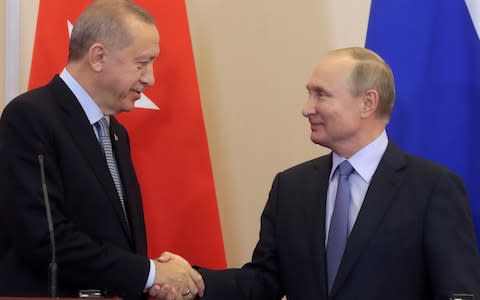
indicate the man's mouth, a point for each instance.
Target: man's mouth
{"x":138,"y":92}
{"x":314,"y":125}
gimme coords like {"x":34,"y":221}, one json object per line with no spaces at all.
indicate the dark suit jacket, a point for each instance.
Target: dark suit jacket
{"x":413,"y":238}
{"x":94,"y":246}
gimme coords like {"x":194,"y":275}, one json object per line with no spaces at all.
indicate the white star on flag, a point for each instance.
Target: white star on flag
{"x":474,"y":10}
{"x":144,"y":101}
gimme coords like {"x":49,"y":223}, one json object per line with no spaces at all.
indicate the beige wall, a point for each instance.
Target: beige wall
{"x":28,"y":16}
{"x":253,"y":60}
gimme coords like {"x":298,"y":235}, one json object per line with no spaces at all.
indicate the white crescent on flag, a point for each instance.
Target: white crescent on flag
{"x":474,"y":10}
{"x":144,"y":101}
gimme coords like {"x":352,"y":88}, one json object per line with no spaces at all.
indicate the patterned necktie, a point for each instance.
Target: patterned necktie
{"x":338,"y":231}
{"x":104,"y":138}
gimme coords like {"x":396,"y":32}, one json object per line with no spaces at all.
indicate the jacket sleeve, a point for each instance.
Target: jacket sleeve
{"x":450,"y":244}
{"x":258,"y":279}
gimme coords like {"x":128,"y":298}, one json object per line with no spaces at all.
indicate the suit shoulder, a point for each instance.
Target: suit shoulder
{"x":415,"y":166}
{"x":35,"y":99}
{"x":322,"y":162}
{"x":427,"y":167}
{"x":431,"y":173}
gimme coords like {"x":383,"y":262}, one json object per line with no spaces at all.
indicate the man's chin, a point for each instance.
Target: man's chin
{"x":317,"y":140}
{"x":129,"y":107}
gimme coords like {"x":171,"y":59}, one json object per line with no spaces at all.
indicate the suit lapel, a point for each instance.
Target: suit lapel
{"x":379,"y":197}
{"x":315,"y":214}
{"x":133,"y":201}
{"x":77,"y":124}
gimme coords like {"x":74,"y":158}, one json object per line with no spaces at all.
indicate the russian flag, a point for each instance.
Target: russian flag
{"x":433,"y":48}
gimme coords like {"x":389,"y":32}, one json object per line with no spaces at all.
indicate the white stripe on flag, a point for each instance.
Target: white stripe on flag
{"x":12,"y":49}
{"x":474,"y":9}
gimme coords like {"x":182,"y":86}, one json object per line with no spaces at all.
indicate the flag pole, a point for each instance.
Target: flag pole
{"x":12,"y":49}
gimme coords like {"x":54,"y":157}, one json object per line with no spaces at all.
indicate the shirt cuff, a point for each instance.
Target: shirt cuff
{"x":151,"y":275}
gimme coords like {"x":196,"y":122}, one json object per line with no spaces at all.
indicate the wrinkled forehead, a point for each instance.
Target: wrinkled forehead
{"x":332,"y":69}
{"x":336,"y":64}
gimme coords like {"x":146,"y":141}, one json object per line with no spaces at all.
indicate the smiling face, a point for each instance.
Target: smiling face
{"x":334,"y":113}
{"x":124,"y":73}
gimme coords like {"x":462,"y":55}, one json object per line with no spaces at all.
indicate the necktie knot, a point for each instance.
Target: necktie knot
{"x":345,"y":168}
{"x":102,"y":127}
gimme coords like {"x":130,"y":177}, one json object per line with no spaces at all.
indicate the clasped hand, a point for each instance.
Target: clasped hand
{"x":175,"y":279}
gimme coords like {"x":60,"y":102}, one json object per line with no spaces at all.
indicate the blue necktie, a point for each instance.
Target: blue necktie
{"x":104,"y":137}
{"x":338,"y":231}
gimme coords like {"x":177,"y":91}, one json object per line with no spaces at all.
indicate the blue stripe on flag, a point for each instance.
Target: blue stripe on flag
{"x":434,"y":52}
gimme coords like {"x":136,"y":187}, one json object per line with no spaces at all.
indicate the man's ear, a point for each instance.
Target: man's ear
{"x":370,"y":103}
{"x":96,"y":56}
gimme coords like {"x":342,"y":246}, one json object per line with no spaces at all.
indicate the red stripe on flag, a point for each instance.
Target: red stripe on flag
{"x":169,"y":146}
{"x":170,"y":149}
{"x":50,"y":48}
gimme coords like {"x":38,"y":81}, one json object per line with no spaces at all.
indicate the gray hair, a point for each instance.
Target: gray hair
{"x":371,"y":72}
{"x":103,"y":21}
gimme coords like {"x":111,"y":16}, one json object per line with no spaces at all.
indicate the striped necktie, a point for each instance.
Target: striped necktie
{"x":104,"y":137}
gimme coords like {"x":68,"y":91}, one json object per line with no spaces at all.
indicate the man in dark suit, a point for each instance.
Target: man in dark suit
{"x":93,"y":190}
{"x":407,"y":223}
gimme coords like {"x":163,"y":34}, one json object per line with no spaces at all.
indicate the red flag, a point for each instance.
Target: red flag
{"x":169,"y":145}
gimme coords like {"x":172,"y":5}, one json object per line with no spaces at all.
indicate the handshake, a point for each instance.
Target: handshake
{"x":175,"y":279}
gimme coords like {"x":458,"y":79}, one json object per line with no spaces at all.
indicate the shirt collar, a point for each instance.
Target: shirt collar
{"x":90,"y":107}
{"x":366,"y":160}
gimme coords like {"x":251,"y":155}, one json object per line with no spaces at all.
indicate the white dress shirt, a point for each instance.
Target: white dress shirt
{"x":365,"y":162}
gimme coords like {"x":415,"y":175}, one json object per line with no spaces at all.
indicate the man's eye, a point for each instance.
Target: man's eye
{"x":141,"y":64}
{"x":317,"y":93}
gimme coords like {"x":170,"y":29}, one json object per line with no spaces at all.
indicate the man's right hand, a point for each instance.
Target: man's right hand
{"x":175,"y":279}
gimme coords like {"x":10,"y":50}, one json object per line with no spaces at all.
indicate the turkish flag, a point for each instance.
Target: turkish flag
{"x":168,"y":138}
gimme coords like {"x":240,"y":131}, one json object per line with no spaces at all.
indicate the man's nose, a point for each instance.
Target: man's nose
{"x":308,"y":107}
